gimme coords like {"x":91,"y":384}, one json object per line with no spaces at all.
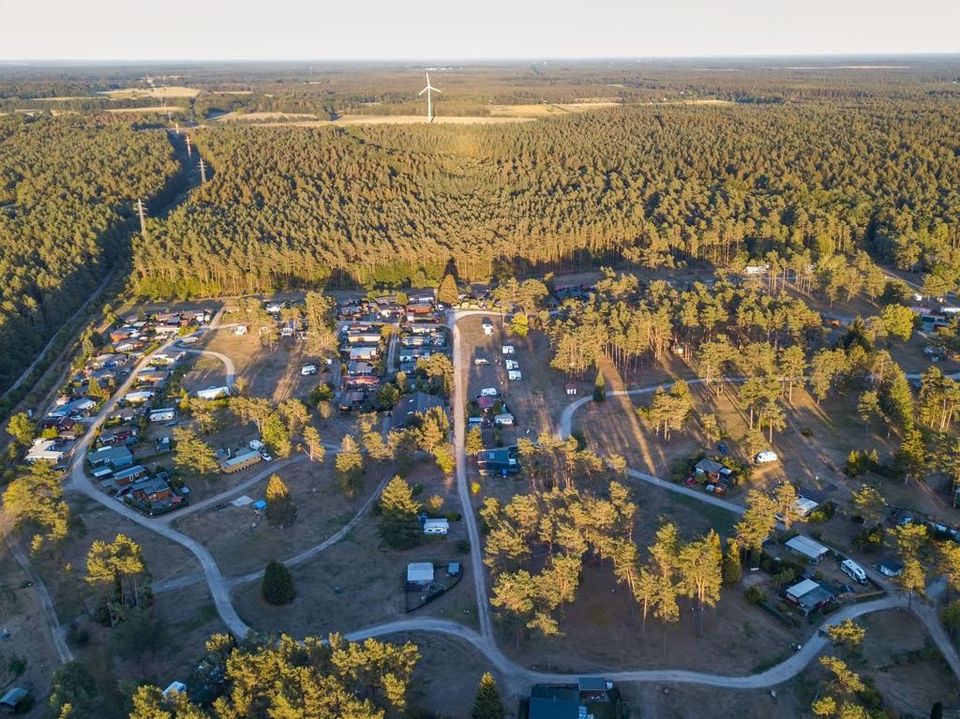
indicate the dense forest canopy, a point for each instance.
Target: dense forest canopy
{"x":67,"y":186}
{"x":657,"y":186}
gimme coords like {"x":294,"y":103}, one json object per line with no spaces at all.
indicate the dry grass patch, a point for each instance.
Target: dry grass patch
{"x":242,"y":542}
{"x":133,"y":93}
{"x":359,"y":581}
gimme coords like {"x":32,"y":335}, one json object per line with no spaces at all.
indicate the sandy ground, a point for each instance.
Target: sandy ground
{"x":135,"y":92}
{"x":240,"y":542}
{"x":153,"y":110}
{"x":548,"y":110}
{"x":256,"y":116}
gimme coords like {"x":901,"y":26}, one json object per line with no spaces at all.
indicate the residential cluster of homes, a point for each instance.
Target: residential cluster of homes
{"x":362,"y":348}
{"x":367,"y":352}
{"x":422,"y":332}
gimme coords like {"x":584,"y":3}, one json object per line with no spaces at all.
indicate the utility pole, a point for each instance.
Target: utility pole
{"x":189,"y":148}
{"x":203,"y":171}
{"x":142,"y":212}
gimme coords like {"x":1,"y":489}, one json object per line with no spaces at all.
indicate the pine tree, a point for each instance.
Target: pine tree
{"x":21,"y":429}
{"x":276,"y":435}
{"x":281,"y":509}
{"x":277,"y":586}
{"x":398,"y":523}
{"x":193,"y":454}
{"x":599,"y":387}
{"x":315,"y":448}
{"x":732,"y":569}
{"x":487,"y":704}
{"x":447,"y":293}
{"x":474,"y":441}
{"x":349,"y":466}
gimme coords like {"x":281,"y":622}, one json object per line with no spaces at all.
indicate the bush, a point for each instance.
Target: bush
{"x":463,"y":546}
{"x":277,"y":586}
{"x":755,"y":595}
{"x":417,"y":489}
{"x":453,"y":516}
{"x":77,"y":635}
{"x":17,"y":666}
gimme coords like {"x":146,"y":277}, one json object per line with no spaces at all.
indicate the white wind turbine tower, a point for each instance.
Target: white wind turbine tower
{"x":428,"y":89}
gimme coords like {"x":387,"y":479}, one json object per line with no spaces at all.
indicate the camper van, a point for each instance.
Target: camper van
{"x":489,"y":392}
{"x":854,"y":571}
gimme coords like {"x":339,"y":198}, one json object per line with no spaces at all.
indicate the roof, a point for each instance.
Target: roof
{"x":592,"y":684}
{"x":150,"y":485}
{"x":129,"y":472}
{"x":499,"y":454}
{"x":807,"y":547}
{"x":420,"y":572}
{"x":711,"y":467}
{"x":416,"y":403}
{"x":548,"y":702}
{"x":110,"y":454}
{"x":803,"y":506}
{"x":14,"y":696}
{"x":802,"y":587}
{"x":241,"y":457}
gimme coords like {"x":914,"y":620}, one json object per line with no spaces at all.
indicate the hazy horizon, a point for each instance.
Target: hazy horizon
{"x":432,"y":31}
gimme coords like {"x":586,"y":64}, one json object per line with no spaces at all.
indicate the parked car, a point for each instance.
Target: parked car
{"x":723,"y":449}
{"x":308,"y":369}
{"x":765,"y":457}
{"x":266,"y":455}
{"x":480,"y":361}
{"x":489,"y":392}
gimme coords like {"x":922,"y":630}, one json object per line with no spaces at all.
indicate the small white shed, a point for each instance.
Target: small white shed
{"x":419,"y":573}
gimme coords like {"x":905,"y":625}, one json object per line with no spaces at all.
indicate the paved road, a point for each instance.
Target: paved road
{"x":459,"y":445}
{"x":777,"y":674}
{"x":231,"y":370}
{"x":79,"y":482}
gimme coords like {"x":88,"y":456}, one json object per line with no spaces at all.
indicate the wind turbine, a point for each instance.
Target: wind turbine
{"x":428,"y":89}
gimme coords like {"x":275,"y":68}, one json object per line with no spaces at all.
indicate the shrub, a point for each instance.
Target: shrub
{"x":78,"y":635}
{"x":17,"y":666}
{"x":453,"y":516}
{"x":463,"y":546}
{"x":417,"y":489}
{"x":277,"y":586}
{"x":754,"y":595}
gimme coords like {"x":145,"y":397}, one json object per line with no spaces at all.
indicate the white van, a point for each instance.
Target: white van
{"x":765,"y":456}
{"x":489,"y":392}
{"x":308,"y":369}
{"x":854,"y":571}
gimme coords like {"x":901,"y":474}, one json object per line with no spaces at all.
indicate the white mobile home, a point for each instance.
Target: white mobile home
{"x":436,"y":526}
{"x":163,"y":415}
{"x":214,"y":392}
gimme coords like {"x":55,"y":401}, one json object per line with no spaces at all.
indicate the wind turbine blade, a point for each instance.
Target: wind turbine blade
{"x":424,"y":90}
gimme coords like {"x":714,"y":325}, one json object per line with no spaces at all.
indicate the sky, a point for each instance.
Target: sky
{"x":452,"y":30}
